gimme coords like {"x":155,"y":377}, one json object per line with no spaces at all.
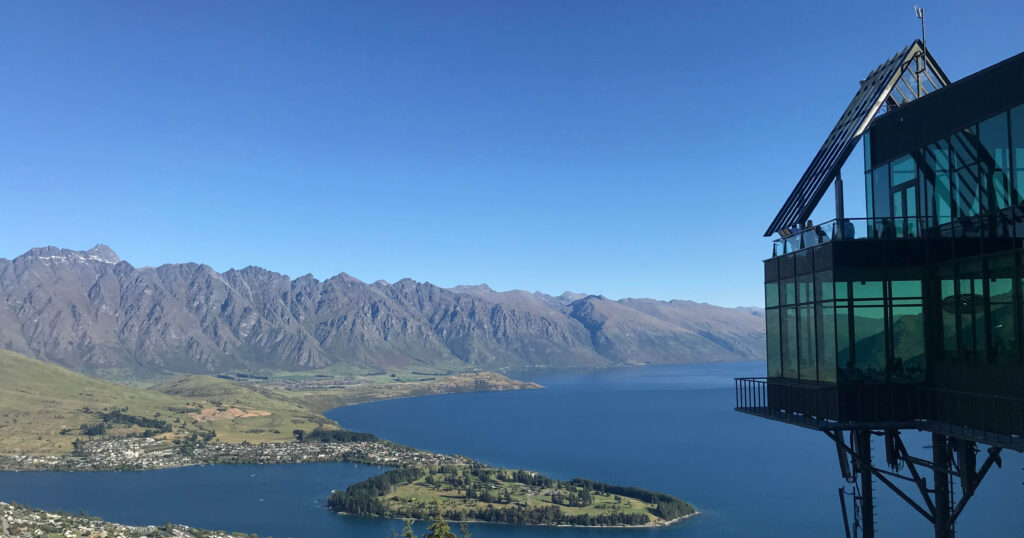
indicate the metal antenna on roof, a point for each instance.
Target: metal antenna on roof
{"x":919,"y":12}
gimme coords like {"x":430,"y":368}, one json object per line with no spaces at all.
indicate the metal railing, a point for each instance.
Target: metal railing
{"x":1008,"y":223}
{"x":995,"y":420}
{"x":981,"y":414}
{"x":811,"y":404}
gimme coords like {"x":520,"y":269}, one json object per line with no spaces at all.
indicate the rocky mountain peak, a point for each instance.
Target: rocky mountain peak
{"x":102,"y":253}
{"x":65,"y":306}
{"x":50,"y":254}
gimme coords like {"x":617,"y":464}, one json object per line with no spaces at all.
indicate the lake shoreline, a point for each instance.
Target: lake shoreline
{"x":651,"y":525}
{"x":258,"y":455}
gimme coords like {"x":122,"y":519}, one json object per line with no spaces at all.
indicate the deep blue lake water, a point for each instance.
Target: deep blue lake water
{"x":669,"y":428}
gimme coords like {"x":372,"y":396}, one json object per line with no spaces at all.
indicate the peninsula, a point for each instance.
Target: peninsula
{"x":471,"y":491}
{"x":54,"y":419}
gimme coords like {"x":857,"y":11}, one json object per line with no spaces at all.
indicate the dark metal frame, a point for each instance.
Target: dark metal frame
{"x":817,"y":406}
{"x":951,"y":458}
{"x":881,"y":87}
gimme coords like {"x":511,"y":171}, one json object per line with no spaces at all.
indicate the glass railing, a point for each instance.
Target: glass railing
{"x":849,"y":229}
{"x":1006,"y":224}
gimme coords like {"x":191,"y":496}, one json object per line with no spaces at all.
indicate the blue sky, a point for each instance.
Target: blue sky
{"x":631,"y":149}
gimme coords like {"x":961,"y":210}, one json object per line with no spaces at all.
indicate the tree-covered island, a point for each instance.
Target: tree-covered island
{"x":477,"y":492}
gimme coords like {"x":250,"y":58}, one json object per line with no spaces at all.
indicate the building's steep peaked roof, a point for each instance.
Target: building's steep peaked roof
{"x":906,"y":76}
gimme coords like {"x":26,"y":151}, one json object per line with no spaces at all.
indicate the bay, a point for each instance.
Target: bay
{"x":668,"y":428}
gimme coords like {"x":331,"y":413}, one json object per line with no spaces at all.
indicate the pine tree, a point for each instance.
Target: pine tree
{"x":407,"y":531}
{"x":438,"y":528}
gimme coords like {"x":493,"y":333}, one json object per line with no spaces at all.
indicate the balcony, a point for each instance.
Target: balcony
{"x":1005,"y":224}
{"x":994,"y":420}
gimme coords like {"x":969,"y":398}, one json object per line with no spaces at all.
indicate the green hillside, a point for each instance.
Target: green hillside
{"x":285,"y":415}
{"x":44,"y":408}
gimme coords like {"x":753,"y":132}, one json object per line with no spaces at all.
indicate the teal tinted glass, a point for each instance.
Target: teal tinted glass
{"x":774,"y":337}
{"x":1000,"y":290}
{"x":968,"y":199}
{"x":805,"y":288}
{"x":994,"y":159}
{"x":1017,"y":151}
{"x":789,"y":343}
{"x":789,"y":291}
{"x":936,"y":156}
{"x":869,"y":344}
{"x":871,"y":289}
{"x":826,"y":343}
{"x":943,"y":197}
{"x":808,"y":348}
{"x":962,"y":147}
{"x":971,"y":341}
{"x":868,"y":198}
{"x":903,"y":171}
{"x":880,"y":192}
{"x":771,"y":294}
{"x":823,"y":286}
{"x":908,"y":364}
{"x":1003,"y":323}
{"x":994,"y":141}
{"x":844,"y":349}
{"x":906,"y":288}
{"x":867,"y":150}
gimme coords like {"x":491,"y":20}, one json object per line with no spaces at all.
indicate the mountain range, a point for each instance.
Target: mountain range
{"x":90,"y":310}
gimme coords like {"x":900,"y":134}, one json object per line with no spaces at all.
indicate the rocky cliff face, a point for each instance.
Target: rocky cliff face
{"x":89,"y":309}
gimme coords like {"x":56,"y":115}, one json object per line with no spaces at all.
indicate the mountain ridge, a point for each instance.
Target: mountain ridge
{"x":91,"y":310}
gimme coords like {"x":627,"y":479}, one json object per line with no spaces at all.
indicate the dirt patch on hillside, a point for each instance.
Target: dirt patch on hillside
{"x":212,"y":414}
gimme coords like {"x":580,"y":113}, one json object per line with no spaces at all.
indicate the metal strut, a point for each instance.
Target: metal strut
{"x":951,"y":458}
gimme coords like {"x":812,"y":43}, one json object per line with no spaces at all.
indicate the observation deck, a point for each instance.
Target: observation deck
{"x":982,"y":418}
{"x":1005,"y":224}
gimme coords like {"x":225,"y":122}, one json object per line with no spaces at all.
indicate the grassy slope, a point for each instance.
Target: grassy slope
{"x":285,"y":414}
{"x":422,"y":495}
{"x":383,"y":388}
{"x":38,"y":399}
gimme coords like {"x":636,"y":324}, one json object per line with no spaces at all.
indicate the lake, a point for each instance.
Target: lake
{"x":668,"y":428}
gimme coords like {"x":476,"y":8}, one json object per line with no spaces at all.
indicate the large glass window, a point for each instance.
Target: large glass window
{"x":969,"y":192}
{"x":963,"y":149}
{"x":868,"y":344}
{"x":844,"y":351}
{"x":774,"y":342}
{"x":975,"y":171}
{"x":771,"y":294}
{"x":943,"y":198}
{"x":789,"y":291}
{"x":868,"y":289}
{"x":994,"y":159}
{"x":826,"y":321}
{"x":880,"y":192}
{"x":1004,"y":337}
{"x":934,"y":172}
{"x":907,"y":365}
{"x":1002,"y":317}
{"x":789,"y":342}
{"x":823,"y":286}
{"x":971,"y":303}
{"x":808,"y":349}
{"x":903,"y":171}
{"x":950,"y":303}
{"x":1017,"y":139}
{"x":804,"y":288}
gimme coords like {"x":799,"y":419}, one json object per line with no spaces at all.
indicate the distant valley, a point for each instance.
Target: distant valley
{"x":93,"y":312}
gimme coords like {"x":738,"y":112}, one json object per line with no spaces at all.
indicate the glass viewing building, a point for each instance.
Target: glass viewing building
{"x":911,"y":317}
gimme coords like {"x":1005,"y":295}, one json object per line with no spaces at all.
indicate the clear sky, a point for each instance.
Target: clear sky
{"x":631,"y":149}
